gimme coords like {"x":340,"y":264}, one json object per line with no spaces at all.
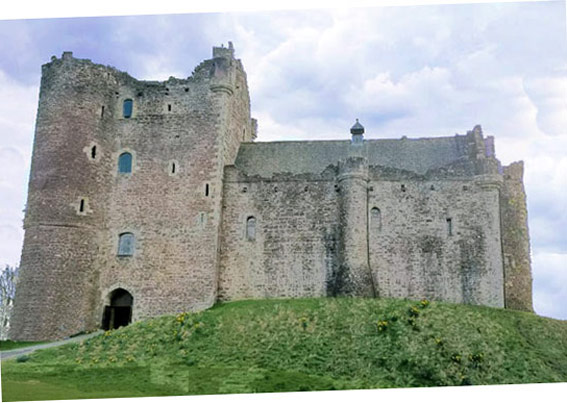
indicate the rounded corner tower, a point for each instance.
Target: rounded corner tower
{"x":124,"y":202}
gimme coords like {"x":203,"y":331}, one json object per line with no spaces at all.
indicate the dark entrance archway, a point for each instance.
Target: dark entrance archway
{"x":119,"y":312}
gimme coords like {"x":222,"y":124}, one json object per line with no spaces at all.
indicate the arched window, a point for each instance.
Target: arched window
{"x":375,"y":219}
{"x":125,"y":163}
{"x":126,"y":244}
{"x":251,"y":228}
{"x":127,"y":108}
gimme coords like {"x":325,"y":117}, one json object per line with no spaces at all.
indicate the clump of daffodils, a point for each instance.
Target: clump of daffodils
{"x":424,"y":303}
{"x":382,"y":325}
{"x":180,"y":318}
{"x":414,"y":311}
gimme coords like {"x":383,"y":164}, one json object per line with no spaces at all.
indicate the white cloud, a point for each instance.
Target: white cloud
{"x":550,"y":284}
{"x":18,"y":105}
{"x":549,"y":95}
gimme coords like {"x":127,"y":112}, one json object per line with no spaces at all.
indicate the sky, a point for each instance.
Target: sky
{"x":416,"y":71}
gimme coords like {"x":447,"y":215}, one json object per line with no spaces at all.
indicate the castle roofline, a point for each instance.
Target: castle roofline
{"x":417,"y":155}
{"x":366,"y":140}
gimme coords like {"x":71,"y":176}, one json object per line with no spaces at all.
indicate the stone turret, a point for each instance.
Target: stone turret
{"x":357,"y":131}
{"x":57,"y":291}
{"x":354,"y":277}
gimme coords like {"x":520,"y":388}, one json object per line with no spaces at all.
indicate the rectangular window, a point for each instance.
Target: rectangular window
{"x":449,"y":226}
{"x":251,"y":228}
{"x":126,"y":244}
{"x":127,"y":108}
{"x":125,"y":163}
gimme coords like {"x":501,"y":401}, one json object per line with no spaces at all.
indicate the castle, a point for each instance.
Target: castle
{"x":149,"y":198}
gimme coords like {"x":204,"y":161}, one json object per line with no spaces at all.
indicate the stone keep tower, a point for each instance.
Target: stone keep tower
{"x":124,"y":203}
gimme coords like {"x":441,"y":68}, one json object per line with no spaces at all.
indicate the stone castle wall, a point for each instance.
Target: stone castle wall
{"x":218,"y":217}
{"x":437,"y":239}
{"x":405,"y":235}
{"x":515,"y":240}
{"x":295,"y":245}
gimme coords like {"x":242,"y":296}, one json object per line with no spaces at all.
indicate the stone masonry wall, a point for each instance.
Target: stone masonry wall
{"x":416,"y":252}
{"x":515,"y":240}
{"x":412,"y":249}
{"x":176,"y":221}
{"x":296,"y":236}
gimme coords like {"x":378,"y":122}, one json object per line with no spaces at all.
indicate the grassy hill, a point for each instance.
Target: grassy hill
{"x":310,"y":344}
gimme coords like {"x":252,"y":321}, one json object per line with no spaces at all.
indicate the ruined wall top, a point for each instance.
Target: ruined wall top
{"x":204,"y":72}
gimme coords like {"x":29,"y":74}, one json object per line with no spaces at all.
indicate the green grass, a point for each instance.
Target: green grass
{"x":288,"y":345}
{"x":6,"y":345}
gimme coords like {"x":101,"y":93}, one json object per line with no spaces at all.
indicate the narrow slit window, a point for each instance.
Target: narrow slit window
{"x":127,"y":108}
{"x":102,"y":112}
{"x":173,"y":167}
{"x":126,"y":244}
{"x":169,"y":107}
{"x":82,"y":206}
{"x":251,"y":228}
{"x":375,"y":219}
{"x":207,"y":190}
{"x":449,"y":226}
{"x":93,"y":152}
{"x":125,"y":163}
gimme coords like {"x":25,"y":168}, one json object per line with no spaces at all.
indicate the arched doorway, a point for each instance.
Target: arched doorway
{"x":119,"y":312}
